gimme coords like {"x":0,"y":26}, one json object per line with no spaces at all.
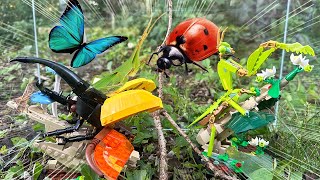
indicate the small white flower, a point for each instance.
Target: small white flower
{"x":267,"y":73}
{"x":254,"y":142}
{"x":299,"y":60}
{"x":94,"y":3}
{"x":263,"y":143}
{"x":130,"y":45}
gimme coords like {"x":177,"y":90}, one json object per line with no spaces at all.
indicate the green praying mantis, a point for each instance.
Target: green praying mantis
{"x":228,"y":66}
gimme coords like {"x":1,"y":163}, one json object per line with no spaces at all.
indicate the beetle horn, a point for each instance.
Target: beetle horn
{"x":77,"y":84}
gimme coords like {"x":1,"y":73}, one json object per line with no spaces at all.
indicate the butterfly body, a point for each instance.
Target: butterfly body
{"x":68,"y":37}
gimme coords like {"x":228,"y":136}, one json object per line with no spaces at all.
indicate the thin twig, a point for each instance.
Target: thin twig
{"x":169,"y":21}
{"x":163,"y":165}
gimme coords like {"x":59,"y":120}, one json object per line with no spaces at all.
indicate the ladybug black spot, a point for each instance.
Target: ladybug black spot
{"x":180,"y":40}
{"x":197,"y":51}
{"x":206,"y":32}
{"x":176,"y":32}
{"x":205,"y":47}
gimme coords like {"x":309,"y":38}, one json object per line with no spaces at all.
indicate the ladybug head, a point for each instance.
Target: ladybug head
{"x":170,"y":55}
{"x":163,"y":63}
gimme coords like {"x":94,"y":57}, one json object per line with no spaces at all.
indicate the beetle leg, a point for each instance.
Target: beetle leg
{"x":65,"y":130}
{"x":52,"y":94}
{"x":63,"y":140}
{"x":199,"y":66}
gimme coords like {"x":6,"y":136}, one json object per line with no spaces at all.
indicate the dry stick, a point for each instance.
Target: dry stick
{"x":217,"y":173}
{"x":163,"y":165}
{"x":169,"y":21}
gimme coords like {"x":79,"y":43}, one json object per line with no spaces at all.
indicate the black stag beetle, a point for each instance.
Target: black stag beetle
{"x":86,"y":107}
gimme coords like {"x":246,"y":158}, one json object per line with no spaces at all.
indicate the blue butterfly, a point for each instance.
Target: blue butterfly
{"x":68,"y":37}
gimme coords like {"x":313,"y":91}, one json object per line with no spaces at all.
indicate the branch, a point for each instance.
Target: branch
{"x":163,"y":167}
{"x":169,"y":21}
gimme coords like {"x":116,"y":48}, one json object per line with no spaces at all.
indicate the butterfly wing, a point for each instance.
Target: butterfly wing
{"x":61,"y":41}
{"x":69,"y":36}
{"x":88,"y":52}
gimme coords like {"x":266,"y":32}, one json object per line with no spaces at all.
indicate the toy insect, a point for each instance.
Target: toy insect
{"x":218,"y":118}
{"x":69,"y":37}
{"x":109,"y":150}
{"x":191,"y":41}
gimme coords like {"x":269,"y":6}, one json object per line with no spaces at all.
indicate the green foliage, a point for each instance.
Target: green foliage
{"x":36,"y":171}
{"x":138,"y":174}
{"x":38,"y":127}
{"x":3,"y":133}
{"x":19,"y":141}
{"x":15,"y":171}
{"x":4,"y":150}
{"x":65,"y":116}
{"x":88,"y":173}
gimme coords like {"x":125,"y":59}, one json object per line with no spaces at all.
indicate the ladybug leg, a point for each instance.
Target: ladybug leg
{"x":167,"y":76}
{"x":186,"y":66}
{"x":199,"y":66}
{"x":155,"y":53}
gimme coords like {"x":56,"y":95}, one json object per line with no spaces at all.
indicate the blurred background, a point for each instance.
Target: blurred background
{"x":294,"y":150}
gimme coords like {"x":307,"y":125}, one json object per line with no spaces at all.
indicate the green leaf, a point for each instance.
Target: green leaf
{"x":138,"y":175}
{"x":65,"y":116}
{"x":3,"y":133}
{"x":37,"y":169}
{"x":14,"y":171}
{"x":88,"y":173}
{"x":9,"y":69}
{"x":38,"y":127}
{"x":261,"y":174}
{"x":150,"y":148}
{"x":140,"y":137}
{"x":296,"y":176}
{"x":21,"y":118}
{"x":19,"y":141}
{"x":4,"y":150}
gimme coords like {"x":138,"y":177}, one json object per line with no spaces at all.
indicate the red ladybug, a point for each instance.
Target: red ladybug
{"x":192,"y":40}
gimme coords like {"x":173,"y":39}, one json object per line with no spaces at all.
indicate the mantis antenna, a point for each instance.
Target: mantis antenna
{"x":220,"y":37}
